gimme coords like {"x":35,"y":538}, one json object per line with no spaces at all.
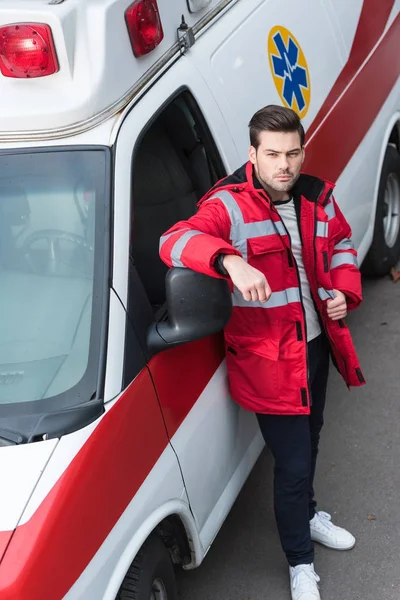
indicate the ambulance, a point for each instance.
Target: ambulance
{"x":121,"y":451}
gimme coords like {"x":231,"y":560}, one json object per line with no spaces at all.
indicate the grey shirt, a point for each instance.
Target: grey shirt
{"x":287,"y":213}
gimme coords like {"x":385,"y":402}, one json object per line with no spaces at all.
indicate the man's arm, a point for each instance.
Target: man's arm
{"x":248,"y":280}
{"x":344,"y":270}
{"x":202,"y":243}
{"x":197,"y":242}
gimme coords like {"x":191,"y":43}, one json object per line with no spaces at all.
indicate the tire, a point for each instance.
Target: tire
{"x":151,"y":576}
{"x":384,"y":252}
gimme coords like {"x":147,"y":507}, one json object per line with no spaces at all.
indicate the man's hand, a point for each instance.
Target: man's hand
{"x":337,"y":308}
{"x":250,"y":282}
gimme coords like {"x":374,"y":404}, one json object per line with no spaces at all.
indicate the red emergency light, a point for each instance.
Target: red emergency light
{"x":27,"y":50}
{"x":144,"y":26}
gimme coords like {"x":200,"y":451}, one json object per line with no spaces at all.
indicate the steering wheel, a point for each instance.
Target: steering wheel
{"x":53,"y":238}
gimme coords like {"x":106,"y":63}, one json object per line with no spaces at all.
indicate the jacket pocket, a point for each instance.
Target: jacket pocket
{"x":252,"y":367}
{"x":265,"y":244}
{"x":264,"y":347}
{"x":269,"y":255}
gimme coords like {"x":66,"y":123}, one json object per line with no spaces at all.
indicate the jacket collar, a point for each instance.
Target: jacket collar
{"x":309,"y":187}
{"x":312,"y":188}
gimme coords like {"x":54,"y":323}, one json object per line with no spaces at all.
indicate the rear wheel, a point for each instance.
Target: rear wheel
{"x":385,"y":248}
{"x":151,"y":576}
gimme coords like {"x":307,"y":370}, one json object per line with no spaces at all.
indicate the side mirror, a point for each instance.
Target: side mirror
{"x":197,"y":306}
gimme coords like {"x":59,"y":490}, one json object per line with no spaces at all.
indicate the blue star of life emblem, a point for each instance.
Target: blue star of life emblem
{"x":285,"y":66}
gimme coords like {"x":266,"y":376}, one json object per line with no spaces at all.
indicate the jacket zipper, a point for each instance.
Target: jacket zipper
{"x":302,"y":305}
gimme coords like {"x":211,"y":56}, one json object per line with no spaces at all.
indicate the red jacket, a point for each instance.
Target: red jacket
{"x":267,"y":343}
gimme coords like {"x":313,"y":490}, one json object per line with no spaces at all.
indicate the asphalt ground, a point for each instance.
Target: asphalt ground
{"x":357,"y":481}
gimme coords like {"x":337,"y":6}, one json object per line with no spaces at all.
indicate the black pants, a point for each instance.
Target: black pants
{"x":293,"y":442}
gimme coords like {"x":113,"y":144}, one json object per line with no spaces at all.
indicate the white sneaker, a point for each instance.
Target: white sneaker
{"x":304,"y":583}
{"x":326,"y":533}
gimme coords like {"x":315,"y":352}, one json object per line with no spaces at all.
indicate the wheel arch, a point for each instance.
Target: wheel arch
{"x":175,"y":525}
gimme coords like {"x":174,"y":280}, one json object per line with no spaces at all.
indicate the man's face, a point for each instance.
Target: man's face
{"x":277,"y":160}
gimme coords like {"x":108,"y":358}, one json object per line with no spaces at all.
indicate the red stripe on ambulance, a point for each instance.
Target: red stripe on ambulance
{"x":193,"y":378}
{"x":49,"y":552}
{"x":333,"y":145}
{"x":372,"y":23}
{"x":5,"y":537}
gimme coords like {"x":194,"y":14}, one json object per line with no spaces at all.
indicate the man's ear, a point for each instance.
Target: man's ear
{"x":252,"y":155}
{"x":304,"y":155}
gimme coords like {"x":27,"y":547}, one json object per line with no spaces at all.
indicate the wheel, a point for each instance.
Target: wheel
{"x":151,"y":576}
{"x":385,"y":248}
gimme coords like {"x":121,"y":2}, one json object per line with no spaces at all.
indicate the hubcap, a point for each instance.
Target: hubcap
{"x":158,"y":591}
{"x":391,"y":221}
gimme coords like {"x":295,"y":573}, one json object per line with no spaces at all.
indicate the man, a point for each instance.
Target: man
{"x":281,"y":241}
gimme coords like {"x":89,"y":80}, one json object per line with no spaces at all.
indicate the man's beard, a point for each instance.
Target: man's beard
{"x":279,"y":186}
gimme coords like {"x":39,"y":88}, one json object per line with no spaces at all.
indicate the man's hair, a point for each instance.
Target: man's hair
{"x":275,"y":118}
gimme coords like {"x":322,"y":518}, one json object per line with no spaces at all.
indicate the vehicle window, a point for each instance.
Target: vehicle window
{"x":48,"y":207}
{"x":175,"y":163}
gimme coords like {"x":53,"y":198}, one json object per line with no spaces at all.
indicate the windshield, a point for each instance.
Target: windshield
{"x":52,"y":273}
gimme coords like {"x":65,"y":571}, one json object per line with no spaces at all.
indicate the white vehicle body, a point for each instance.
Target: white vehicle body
{"x":102,"y":443}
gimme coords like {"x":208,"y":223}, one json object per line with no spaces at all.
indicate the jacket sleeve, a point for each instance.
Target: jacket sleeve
{"x":344,"y":269}
{"x":196,"y":243}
